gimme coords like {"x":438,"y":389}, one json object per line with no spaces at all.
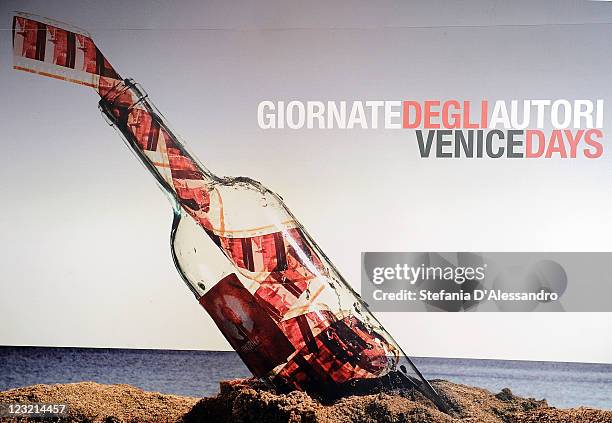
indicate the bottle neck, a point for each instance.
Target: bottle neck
{"x":127,"y":107}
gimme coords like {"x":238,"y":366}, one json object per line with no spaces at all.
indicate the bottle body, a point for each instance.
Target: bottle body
{"x":273,"y":293}
{"x":277,"y":300}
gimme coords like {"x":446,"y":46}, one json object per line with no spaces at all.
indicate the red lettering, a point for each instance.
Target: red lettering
{"x":466,"y":116}
{"x":588,"y":138}
{"x":456,"y":116}
{"x":573,"y":141}
{"x":529,"y":134}
{"x":556,"y":145}
{"x":429,"y":113}
{"x":406,"y":114}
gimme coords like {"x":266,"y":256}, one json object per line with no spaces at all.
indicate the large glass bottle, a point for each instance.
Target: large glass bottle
{"x":273,"y":293}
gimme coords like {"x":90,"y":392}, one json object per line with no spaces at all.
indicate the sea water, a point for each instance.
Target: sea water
{"x":197,"y":373}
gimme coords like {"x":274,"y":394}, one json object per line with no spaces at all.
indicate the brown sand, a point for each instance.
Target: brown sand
{"x":243,"y":401}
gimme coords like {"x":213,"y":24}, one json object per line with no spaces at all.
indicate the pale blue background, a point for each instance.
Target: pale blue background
{"x":85,"y":258}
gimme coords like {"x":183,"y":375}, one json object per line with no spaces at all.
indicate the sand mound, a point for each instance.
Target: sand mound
{"x":93,"y":402}
{"x":243,"y":401}
{"x":247,"y":401}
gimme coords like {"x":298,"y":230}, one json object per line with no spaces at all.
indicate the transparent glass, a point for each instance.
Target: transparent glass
{"x":273,"y":293}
